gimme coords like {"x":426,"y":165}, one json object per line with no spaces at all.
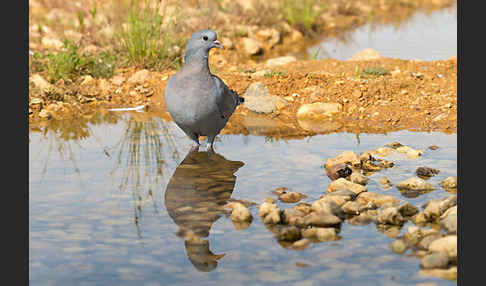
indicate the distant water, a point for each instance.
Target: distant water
{"x":425,"y":37}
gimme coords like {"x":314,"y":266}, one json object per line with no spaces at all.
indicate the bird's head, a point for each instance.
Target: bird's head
{"x":200,"y":43}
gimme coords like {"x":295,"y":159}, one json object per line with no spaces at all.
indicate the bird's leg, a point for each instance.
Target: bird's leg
{"x":194,"y":137}
{"x":210,"y":143}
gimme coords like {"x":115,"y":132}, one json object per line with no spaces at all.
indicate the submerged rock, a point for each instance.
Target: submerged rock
{"x":435,"y":260}
{"x":292,"y":197}
{"x":273,"y":217}
{"x":358,"y":178}
{"x":390,"y":215}
{"x":327,"y":206}
{"x":448,"y":220}
{"x":239,"y":212}
{"x":377,"y":199}
{"x":426,"y":172}
{"x":266,"y":208}
{"x":321,"y":219}
{"x":289,"y":233}
{"x":449,"y":183}
{"x":446,"y":244}
{"x":398,"y":246}
{"x":415,"y":184}
{"x":320,"y":233}
{"x":385,"y":183}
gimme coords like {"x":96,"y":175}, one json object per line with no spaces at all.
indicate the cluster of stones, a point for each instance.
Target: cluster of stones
{"x":347,"y":198}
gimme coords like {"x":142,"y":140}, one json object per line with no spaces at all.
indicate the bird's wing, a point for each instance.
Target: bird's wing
{"x":226,"y":98}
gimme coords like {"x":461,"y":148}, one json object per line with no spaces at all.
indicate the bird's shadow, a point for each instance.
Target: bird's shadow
{"x":195,"y":197}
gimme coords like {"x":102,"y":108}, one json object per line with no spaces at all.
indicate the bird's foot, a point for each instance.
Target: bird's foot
{"x":194,"y":148}
{"x":210,"y":147}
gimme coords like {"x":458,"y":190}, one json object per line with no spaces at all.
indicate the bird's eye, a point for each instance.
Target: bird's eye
{"x":205,"y":38}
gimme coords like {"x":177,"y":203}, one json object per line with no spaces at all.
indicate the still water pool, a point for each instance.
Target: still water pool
{"x":111,"y":198}
{"x":425,"y":36}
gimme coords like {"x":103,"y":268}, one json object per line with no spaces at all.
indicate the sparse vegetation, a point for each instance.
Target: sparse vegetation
{"x":148,"y":38}
{"x":302,"y":14}
{"x":377,"y":71}
{"x":70,"y":62}
{"x":273,"y":73}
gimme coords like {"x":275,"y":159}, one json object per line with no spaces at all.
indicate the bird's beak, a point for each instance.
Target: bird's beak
{"x":217,"y":44}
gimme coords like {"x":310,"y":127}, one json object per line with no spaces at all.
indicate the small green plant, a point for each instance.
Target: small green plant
{"x":315,"y":53}
{"x":377,"y":71}
{"x":70,"y":62}
{"x":357,"y":71}
{"x":93,"y":11}
{"x":80,"y":20}
{"x":146,"y":40}
{"x":301,"y":14}
{"x":273,"y":73}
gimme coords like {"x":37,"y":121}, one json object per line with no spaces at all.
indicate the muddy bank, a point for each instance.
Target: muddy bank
{"x":379,"y":95}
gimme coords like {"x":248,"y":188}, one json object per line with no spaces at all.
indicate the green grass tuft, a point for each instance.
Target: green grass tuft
{"x":301,"y":14}
{"x":377,"y":71}
{"x":147,"y":41}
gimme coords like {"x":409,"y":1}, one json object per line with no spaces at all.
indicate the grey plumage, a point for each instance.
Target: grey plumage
{"x":199,"y":102}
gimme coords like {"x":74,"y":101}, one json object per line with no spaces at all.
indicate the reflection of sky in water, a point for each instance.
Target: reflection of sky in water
{"x":88,"y":223}
{"x":424,"y":37}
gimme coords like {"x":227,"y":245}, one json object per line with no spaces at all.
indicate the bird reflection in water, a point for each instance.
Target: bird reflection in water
{"x":195,"y":198}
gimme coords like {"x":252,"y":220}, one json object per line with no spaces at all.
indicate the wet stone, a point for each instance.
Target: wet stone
{"x":449,"y":183}
{"x":407,"y":209}
{"x":447,"y":244}
{"x":343,"y":184}
{"x":358,"y":178}
{"x":327,"y":206}
{"x":320,"y":233}
{"x":273,"y":217}
{"x":432,"y":209}
{"x":419,"y":218}
{"x":413,"y":235}
{"x":448,"y":220}
{"x":301,"y":244}
{"x":306,"y":208}
{"x":338,"y":171}
{"x":351,"y":207}
{"x":266,"y":208}
{"x":390,"y":215}
{"x":376,"y":198}
{"x":398,"y":246}
{"x":447,"y":203}
{"x":435,"y":260}
{"x":321,"y":219}
{"x":415,"y":184}
{"x":292,"y":217}
{"x":426,"y":172}
{"x":346,"y":157}
{"x":385,"y":183}
{"x":289,"y":233}
{"x":292,"y":197}
{"x":425,"y":242}
{"x":361,"y":219}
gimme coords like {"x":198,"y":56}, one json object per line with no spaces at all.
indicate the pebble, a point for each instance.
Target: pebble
{"x":398,"y":246}
{"x":301,"y":244}
{"x":415,"y":184}
{"x":239,"y":212}
{"x":426,"y":172}
{"x":291,"y":197}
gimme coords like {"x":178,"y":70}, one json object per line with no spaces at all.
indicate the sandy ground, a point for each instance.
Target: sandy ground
{"x":415,"y":95}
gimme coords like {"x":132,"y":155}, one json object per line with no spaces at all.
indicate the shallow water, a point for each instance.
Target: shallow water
{"x":425,"y":37}
{"x":117,"y":202}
